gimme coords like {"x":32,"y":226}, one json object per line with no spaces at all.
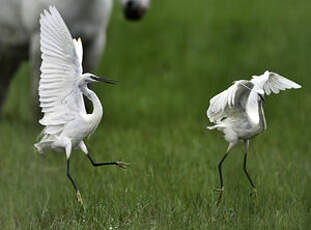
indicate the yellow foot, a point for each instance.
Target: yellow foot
{"x":253,"y":194}
{"x":122,"y":164}
{"x":221,"y":191}
{"x":79,"y":197}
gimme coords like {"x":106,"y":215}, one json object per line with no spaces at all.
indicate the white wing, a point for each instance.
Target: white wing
{"x":60,"y":98}
{"x":229,"y":101}
{"x":273,"y":82}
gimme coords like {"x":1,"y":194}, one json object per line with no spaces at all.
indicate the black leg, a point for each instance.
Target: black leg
{"x":245,"y":170}
{"x":73,"y":184}
{"x":70,"y":178}
{"x":118,"y":163}
{"x":221,"y":190}
{"x":220,"y":170}
{"x":220,"y":177}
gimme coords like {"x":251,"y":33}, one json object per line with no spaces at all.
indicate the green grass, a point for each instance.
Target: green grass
{"x":168,"y":66}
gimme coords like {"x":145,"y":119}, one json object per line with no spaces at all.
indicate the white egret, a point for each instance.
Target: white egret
{"x":61,"y":89}
{"x":238,"y":112}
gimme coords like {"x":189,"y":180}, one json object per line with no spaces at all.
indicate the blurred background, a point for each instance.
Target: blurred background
{"x":168,"y":66}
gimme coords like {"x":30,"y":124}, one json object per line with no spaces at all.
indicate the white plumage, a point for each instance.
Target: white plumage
{"x":61,"y":89}
{"x":61,"y":68}
{"x":238,"y":111}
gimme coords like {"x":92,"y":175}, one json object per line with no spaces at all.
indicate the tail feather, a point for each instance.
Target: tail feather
{"x":39,"y":147}
{"x":211,"y":127}
{"x":45,"y":141}
{"x":215,"y":126}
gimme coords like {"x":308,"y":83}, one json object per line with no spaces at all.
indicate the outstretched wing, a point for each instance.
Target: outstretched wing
{"x":230,"y":101}
{"x":60,"y":98}
{"x":273,"y":82}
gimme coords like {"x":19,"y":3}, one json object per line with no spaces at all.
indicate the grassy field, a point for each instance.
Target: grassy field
{"x":168,"y":66}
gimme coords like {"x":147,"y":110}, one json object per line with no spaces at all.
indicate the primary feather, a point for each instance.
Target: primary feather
{"x":273,"y":82}
{"x":225,"y":103}
{"x":60,"y":97}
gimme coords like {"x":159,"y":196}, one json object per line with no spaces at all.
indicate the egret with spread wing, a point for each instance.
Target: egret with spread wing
{"x":238,"y":112}
{"x":61,"y":89}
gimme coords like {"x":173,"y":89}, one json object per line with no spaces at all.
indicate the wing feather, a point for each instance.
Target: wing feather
{"x":273,"y":82}
{"x":228,"y":101}
{"x":59,"y":96}
{"x":79,"y":49}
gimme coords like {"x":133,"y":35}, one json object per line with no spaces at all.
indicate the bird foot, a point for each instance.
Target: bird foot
{"x":122,"y":164}
{"x":79,"y":198}
{"x":253,"y":194}
{"x":220,"y":191}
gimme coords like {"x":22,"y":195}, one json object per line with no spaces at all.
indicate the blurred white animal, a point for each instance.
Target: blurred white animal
{"x":19,"y":29}
{"x":61,"y":87}
{"x":238,"y":112}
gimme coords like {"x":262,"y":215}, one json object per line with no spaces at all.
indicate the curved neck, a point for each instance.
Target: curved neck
{"x":262,"y":118}
{"x":97,"y":107}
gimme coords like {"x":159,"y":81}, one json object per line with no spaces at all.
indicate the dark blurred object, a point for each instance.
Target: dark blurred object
{"x":133,"y":10}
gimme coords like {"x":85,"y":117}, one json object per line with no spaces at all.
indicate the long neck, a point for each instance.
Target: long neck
{"x":97,"y":107}
{"x":262,"y":118}
{"x":252,"y":109}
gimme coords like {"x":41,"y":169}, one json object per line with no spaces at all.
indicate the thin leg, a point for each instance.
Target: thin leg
{"x":220,"y":170}
{"x":221,"y":190}
{"x":79,"y":197}
{"x":244,"y":164}
{"x":70,"y":178}
{"x":118,"y":163}
{"x":66,"y":144}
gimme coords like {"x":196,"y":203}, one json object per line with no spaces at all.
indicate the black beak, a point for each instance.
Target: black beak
{"x":105,"y":80}
{"x":262,"y":98}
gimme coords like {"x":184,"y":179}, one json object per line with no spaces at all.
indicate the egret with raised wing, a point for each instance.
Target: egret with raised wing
{"x":61,"y":89}
{"x":238,"y":113}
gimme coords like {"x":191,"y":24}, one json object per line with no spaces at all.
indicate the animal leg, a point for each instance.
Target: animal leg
{"x":246,"y":142}
{"x":244,"y":164}
{"x":221,"y":190}
{"x":121,"y":164}
{"x":68,"y":147}
{"x":118,"y":163}
{"x":79,"y":197}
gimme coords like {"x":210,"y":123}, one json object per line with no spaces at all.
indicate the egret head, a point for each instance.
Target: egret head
{"x":89,"y":78}
{"x":135,"y":9}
